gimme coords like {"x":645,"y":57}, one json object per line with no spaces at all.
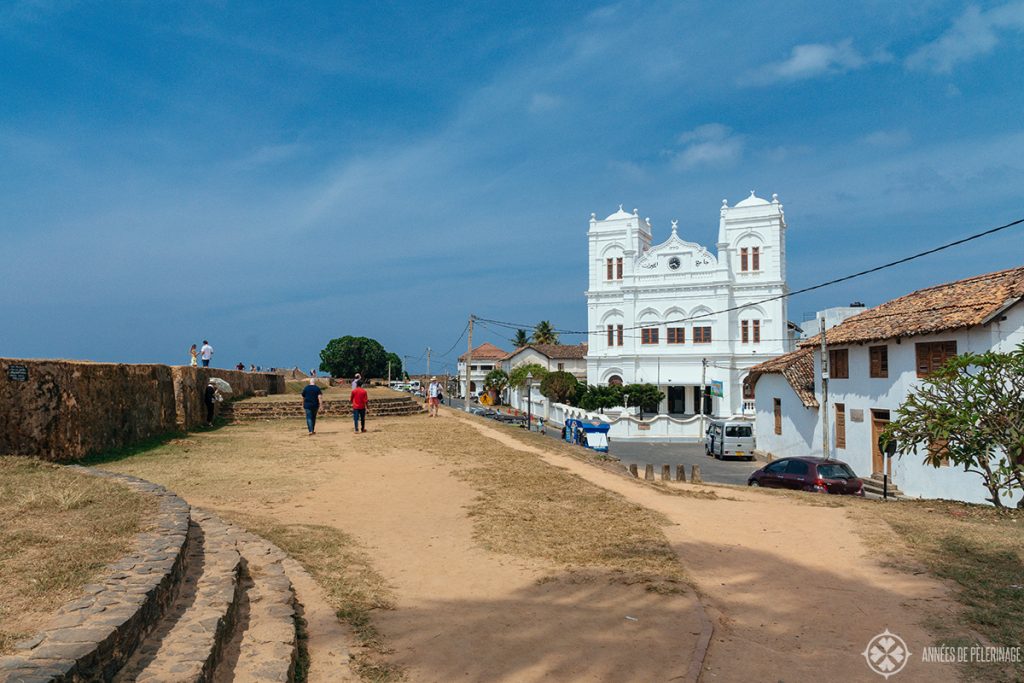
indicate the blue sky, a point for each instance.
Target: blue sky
{"x":269,"y":176}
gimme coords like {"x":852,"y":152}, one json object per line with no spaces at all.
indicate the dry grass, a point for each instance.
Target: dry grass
{"x":59,"y":530}
{"x":979,"y":549}
{"x":529,"y":508}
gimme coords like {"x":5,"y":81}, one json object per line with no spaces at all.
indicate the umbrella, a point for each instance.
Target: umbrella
{"x":222,"y":386}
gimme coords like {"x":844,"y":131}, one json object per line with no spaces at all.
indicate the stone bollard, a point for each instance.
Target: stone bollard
{"x":666,"y":473}
{"x":680,"y":472}
{"x":632,"y":470}
{"x":649,"y":472}
{"x":695,"y":475}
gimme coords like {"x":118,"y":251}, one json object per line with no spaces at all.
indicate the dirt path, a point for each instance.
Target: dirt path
{"x":794,"y":593}
{"x":463,"y":613}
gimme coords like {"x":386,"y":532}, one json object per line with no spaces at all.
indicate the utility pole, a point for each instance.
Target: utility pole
{"x":703,"y":388}
{"x":824,"y":391}
{"x":389,"y":374}
{"x":469,"y":364}
{"x":428,"y":361}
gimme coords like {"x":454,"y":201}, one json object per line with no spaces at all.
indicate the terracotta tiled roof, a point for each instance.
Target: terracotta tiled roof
{"x":951,"y":306}
{"x":555,"y":351}
{"x":798,"y":369}
{"x":486,"y":351}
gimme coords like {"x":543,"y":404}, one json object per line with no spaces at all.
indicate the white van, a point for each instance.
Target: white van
{"x":730,"y":439}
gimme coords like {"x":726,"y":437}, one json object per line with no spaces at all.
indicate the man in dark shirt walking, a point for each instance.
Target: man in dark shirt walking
{"x":312,"y":402}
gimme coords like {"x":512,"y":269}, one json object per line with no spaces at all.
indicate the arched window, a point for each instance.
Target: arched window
{"x":615,"y":381}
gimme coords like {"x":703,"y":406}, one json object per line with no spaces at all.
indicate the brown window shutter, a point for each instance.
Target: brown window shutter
{"x":620,"y":334}
{"x":744,"y":334}
{"x":618,"y":269}
{"x":743,"y":259}
{"x":757,"y":331}
{"x":609,"y":272}
{"x":755,"y":258}
{"x":611,"y":335}
{"x":777,"y":408}
{"x":840,"y":425}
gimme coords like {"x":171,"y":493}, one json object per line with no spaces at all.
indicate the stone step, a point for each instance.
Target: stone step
{"x":185,"y":644}
{"x":264,"y":646}
{"x":876,"y":487}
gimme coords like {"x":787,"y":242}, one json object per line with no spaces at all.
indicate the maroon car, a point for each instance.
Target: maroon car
{"x":809,"y":474}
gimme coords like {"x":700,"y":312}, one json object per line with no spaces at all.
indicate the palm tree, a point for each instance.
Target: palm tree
{"x":521,"y":338}
{"x":544,"y":333}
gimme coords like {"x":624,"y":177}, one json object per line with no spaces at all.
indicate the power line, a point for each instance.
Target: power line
{"x":803,"y":290}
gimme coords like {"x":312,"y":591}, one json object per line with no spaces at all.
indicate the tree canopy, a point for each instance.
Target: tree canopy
{"x":521,"y":338}
{"x":496,"y":380}
{"x":396,"y":364}
{"x":559,"y":387}
{"x":646,"y":396}
{"x":969,"y":413}
{"x":346,"y":356}
{"x":517,"y":378}
{"x":544,"y":333}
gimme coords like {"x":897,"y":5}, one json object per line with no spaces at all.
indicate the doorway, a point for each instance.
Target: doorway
{"x":879,"y":421}
{"x":676,"y":400}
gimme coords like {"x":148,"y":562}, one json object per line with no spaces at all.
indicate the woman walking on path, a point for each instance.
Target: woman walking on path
{"x":358,"y":400}
{"x":193,"y":354}
{"x":434,"y":395}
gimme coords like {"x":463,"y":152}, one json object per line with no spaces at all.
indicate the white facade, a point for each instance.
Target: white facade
{"x":634,"y":283}
{"x":486,"y":357}
{"x":867,"y":399}
{"x":553,"y":358}
{"x":833,"y":316}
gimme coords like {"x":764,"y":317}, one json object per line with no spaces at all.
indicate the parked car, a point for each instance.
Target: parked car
{"x":809,"y":474}
{"x":730,"y":439}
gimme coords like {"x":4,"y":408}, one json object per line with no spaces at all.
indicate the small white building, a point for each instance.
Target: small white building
{"x":833,"y":316}
{"x":486,"y":357}
{"x":875,"y":359}
{"x":571,"y":358}
{"x":677,"y":315}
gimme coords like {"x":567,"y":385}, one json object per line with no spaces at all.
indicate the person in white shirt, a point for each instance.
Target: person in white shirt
{"x":434,"y":396}
{"x":206,"y":353}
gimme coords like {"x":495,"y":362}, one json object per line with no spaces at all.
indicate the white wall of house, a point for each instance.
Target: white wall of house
{"x":800,"y":424}
{"x":679,"y":279}
{"x":477,"y":373}
{"x":860,"y":392}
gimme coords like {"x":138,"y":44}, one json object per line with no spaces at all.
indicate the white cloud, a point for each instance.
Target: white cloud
{"x":974,"y":33}
{"x":812,"y":60}
{"x":712,"y":144}
{"x":541,"y":102}
{"x":887,"y":138}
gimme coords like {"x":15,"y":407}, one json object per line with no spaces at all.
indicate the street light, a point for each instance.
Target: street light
{"x":529,"y":403}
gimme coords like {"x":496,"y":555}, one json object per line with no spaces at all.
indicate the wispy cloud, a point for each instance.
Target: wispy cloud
{"x":813,"y":60}
{"x":976,"y":32}
{"x":887,"y":138}
{"x":712,"y":144}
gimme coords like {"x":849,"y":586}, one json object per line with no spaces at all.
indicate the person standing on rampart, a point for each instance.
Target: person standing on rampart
{"x":359,"y":400}
{"x":193,"y":355}
{"x":434,"y":396}
{"x":206,"y":353}
{"x":312,"y":402}
{"x":210,"y":399}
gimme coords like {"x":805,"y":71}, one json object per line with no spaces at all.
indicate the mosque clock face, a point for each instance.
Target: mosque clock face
{"x":673,"y":263}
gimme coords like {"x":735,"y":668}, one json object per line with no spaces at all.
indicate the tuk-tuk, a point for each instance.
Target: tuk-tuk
{"x":587,"y":434}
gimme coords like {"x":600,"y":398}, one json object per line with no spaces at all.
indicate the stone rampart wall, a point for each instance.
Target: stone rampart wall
{"x":66,"y":410}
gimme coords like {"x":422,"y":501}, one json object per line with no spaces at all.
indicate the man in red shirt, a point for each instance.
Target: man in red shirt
{"x":358,"y":400}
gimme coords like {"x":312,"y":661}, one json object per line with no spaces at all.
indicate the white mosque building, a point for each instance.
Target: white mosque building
{"x":679,"y":316}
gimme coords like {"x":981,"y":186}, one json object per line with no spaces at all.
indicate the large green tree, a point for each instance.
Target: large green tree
{"x":346,"y":356}
{"x":596,"y":397}
{"x":517,"y":378}
{"x":544,"y":333}
{"x":559,"y":387}
{"x":969,"y":413}
{"x":521,"y":338}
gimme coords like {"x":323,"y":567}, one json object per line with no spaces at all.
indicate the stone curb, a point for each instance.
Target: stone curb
{"x":92,"y":637}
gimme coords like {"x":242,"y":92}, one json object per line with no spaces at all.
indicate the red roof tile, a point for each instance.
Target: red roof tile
{"x":798,"y":369}
{"x":486,"y":351}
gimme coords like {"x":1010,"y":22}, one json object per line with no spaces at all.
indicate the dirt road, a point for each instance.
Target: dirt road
{"x":794,"y":593}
